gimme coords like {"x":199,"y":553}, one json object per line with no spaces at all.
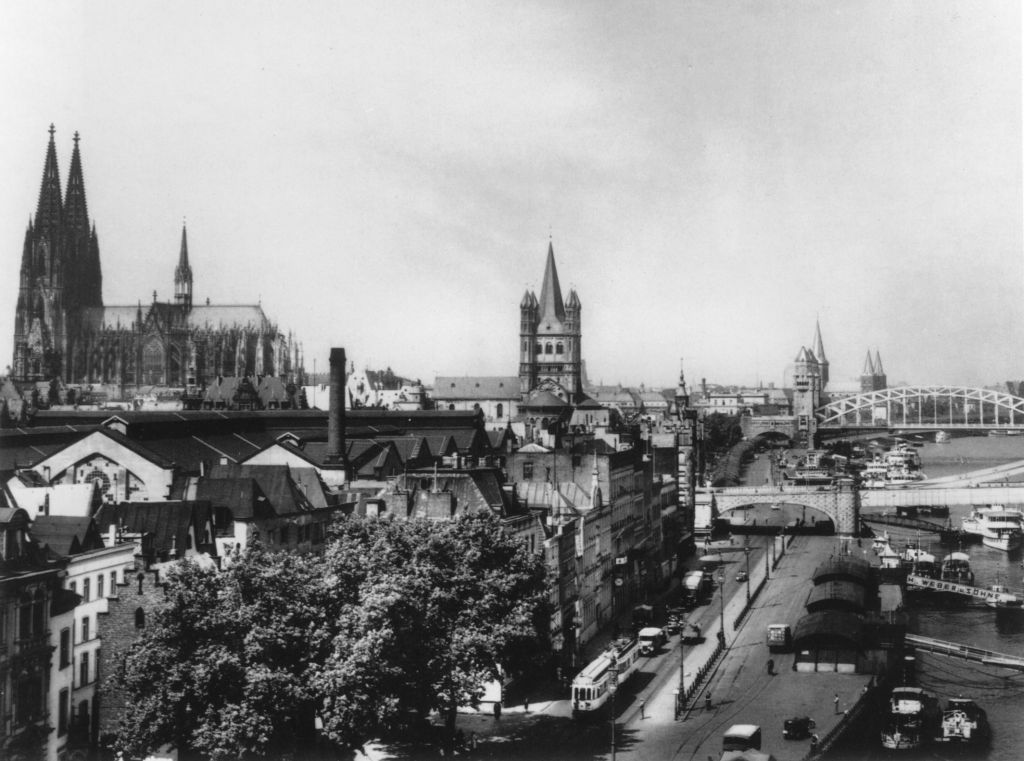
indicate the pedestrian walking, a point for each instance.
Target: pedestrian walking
{"x":526,"y":705}
{"x":643,"y":704}
{"x":707,"y":701}
{"x":835,"y":703}
{"x":771,"y":667}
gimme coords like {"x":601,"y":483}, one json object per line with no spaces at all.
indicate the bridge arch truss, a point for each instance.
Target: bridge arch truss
{"x":925,"y":407}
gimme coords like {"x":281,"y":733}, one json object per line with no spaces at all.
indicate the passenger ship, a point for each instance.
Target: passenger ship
{"x":999,"y":528}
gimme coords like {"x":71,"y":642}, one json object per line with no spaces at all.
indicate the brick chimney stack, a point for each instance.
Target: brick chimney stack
{"x":335,"y":456}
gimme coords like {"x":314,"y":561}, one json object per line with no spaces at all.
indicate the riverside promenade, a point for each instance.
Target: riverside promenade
{"x":742,"y":691}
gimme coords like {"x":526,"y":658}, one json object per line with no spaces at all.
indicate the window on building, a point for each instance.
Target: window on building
{"x":527,"y":471}
{"x":537,"y":348}
{"x":65,"y":648}
{"x":73,"y":586}
{"x":86,"y":590}
{"x":559,"y":349}
{"x":28,"y":698}
{"x":140,"y":618}
{"x":62,"y":712}
{"x":38,"y":612}
{"x":83,"y":670}
{"x":499,"y":411}
{"x":99,"y":586}
{"x":85,"y":629}
{"x":140,"y":578}
{"x":113,"y":583}
{"x":547,"y":348}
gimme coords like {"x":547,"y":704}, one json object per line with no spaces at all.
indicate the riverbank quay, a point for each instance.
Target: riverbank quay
{"x":741,"y":689}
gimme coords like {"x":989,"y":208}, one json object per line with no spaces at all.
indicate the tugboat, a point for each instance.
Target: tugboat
{"x":963,"y":721}
{"x":911,"y":719}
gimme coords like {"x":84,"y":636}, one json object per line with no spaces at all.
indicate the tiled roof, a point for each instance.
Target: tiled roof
{"x":166,"y":522}
{"x":66,"y":535}
{"x":476,"y":387}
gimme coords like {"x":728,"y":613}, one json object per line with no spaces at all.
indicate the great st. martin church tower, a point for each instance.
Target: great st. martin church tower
{"x":550,"y":357}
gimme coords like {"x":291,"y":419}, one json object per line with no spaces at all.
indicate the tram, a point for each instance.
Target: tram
{"x":590,"y":687}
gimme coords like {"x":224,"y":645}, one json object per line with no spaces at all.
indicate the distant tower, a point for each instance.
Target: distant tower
{"x":550,"y":338}
{"x":807,"y":388}
{"x":183,"y":275}
{"x":881,"y":380}
{"x":686,"y":452}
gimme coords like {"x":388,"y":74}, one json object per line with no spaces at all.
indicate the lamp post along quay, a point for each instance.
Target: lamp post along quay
{"x":721,"y":599}
{"x":746,"y":552}
{"x":613,"y":686}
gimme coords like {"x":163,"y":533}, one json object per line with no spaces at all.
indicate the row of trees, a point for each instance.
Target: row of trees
{"x":395,"y":620}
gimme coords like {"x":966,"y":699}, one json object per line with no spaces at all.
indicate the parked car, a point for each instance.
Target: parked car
{"x":741,"y":576}
{"x":797,"y":728}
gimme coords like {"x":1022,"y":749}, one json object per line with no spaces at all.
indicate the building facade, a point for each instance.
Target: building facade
{"x":64,"y":331}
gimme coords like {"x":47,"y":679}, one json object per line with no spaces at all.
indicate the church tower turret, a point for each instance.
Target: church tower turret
{"x":183,"y":275}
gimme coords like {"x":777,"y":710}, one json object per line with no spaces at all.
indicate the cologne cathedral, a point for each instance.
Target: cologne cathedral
{"x":63,"y":330}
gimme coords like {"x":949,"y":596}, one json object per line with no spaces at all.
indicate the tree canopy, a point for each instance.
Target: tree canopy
{"x":394,"y":620}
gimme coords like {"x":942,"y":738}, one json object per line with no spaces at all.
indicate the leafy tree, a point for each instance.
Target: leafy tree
{"x":438,"y":610}
{"x":223,"y":670}
{"x":395,"y":620}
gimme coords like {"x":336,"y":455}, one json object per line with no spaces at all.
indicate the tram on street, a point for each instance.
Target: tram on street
{"x":590,"y":688}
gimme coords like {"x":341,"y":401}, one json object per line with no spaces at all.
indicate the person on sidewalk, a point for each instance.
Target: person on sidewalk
{"x":835,"y":703}
{"x":707,"y":701}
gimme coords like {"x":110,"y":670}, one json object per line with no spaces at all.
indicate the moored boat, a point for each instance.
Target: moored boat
{"x":956,"y":567}
{"x":911,"y":719}
{"x":998,"y":527}
{"x":963,"y":721}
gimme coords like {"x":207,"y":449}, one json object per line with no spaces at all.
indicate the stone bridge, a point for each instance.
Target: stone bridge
{"x":840,"y":503}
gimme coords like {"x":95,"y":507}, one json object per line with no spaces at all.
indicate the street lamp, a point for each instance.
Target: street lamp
{"x":746,"y":552}
{"x":721,"y":598}
{"x":613,"y":685}
{"x":681,"y":692}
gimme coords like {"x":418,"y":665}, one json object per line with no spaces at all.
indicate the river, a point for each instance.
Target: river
{"x":999,"y":691}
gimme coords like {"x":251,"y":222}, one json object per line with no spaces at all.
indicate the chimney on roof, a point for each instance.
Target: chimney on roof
{"x":335,"y":456}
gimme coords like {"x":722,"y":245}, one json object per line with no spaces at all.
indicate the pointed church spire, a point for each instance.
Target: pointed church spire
{"x":76,"y":212}
{"x":879,"y":370}
{"x":819,"y":347}
{"x":49,"y":211}
{"x":183,"y":273}
{"x":551,"y":305}
{"x":869,"y":365}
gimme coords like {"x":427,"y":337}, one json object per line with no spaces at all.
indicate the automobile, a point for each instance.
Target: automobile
{"x":797,"y":728}
{"x":741,"y":576}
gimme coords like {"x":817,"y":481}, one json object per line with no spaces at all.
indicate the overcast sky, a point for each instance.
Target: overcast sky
{"x":714,"y":175}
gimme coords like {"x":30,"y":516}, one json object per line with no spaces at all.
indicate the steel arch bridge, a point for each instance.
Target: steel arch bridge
{"x":925,"y":407}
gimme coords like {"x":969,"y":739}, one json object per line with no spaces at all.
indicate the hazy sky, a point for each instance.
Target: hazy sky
{"x":385,"y":177}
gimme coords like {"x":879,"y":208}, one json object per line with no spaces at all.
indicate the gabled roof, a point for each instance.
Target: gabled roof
{"x":283,"y":494}
{"x":166,"y":523}
{"x":67,"y":535}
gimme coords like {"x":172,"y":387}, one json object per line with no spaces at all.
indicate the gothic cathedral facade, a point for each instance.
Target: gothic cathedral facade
{"x":63,"y":330}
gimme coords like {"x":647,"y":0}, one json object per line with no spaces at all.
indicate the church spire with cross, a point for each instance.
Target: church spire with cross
{"x":183,"y":273}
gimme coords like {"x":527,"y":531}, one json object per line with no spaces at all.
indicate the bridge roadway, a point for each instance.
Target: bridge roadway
{"x":915,"y":496}
{"x":742,"y":690}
